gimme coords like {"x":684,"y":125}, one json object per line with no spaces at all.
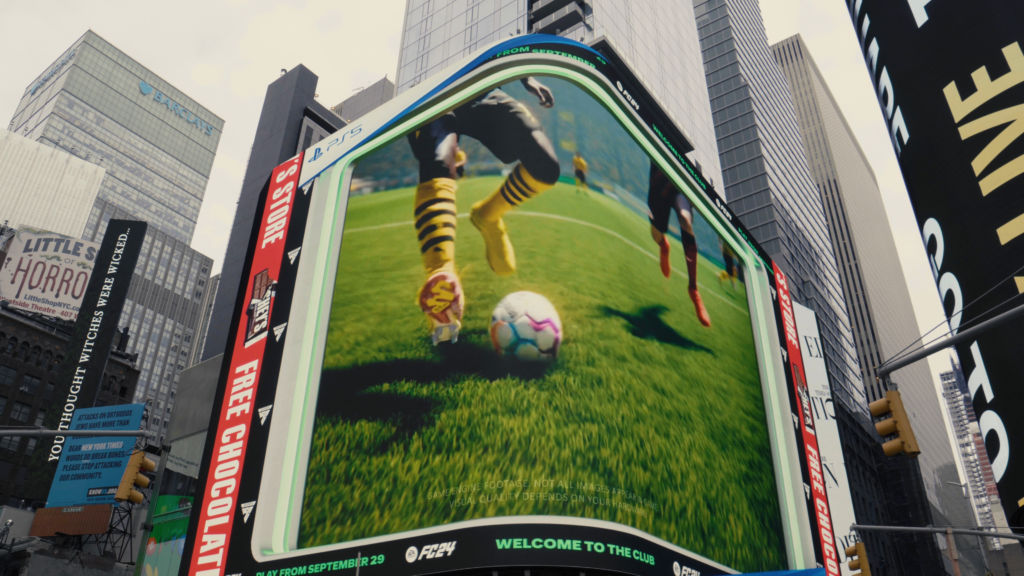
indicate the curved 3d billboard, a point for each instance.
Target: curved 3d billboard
{"x":500,"y":323}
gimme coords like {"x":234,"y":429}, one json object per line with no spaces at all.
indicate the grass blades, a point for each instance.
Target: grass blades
{"x":646,"y":418}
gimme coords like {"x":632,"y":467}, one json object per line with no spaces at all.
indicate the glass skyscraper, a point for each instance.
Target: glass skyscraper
{"x":656,"y":38}
{"x":767,"y":181}
{"x":157,"y":146}
{"x":877,"y":295}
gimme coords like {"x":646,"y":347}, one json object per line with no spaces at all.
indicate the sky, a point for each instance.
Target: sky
{"x":224,"y":53}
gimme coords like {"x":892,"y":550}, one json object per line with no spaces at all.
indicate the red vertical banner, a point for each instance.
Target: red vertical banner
{"x":822,"y":516}
{"x":231,"y":433}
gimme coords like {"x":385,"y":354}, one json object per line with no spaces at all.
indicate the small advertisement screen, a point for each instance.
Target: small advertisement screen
{"x":529,"y":318}
{"x":508,"y":329}
{"x":90,"y":467}
{"x":167,"y":538}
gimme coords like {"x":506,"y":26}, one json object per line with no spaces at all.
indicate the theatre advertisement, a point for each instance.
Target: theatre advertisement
{"x":950,"y":81}
{"x":502,"y":321}
{"x":45,"y":272}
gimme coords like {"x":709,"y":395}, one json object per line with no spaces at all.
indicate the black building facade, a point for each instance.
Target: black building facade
{"x":291,"y":120}
{"x":32,"y":349}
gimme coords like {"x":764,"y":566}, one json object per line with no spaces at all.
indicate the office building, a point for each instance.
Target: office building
{"x":365,"y":100}
{"x":1004,"y":556}
{"x":979,"y":483}
{"x":163,"y":313}
{"x":156,"y":145}
{"x":766,"y":179}
{"x":205,"y":317}
{"x":31,"y":351}
{"x":656,"y":39}
{"x":877,"y":295}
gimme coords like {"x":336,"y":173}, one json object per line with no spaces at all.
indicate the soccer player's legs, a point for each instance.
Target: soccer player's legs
{"x":683,"y":211}
{"x":510,"y":131}
{"x":581,"y":179}
{"x":659,"y":205}
{"x":729,"y":273}
{"x":434,"y":214}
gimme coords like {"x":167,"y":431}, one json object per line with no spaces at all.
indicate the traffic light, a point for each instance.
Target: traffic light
{"x":897,"y":424}
{"x":858,"y":560}
{"x":133,"y":476}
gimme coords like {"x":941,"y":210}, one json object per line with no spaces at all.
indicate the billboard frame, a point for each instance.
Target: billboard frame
{"x":532,"y":55}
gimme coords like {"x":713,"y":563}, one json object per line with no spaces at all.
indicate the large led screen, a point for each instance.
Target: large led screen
{"x":505,"y":329}
{"x":644,"y":416}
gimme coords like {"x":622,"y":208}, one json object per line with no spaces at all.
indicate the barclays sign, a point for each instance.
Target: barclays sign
{"x":177,"y":109}
{"x":53,"y":72}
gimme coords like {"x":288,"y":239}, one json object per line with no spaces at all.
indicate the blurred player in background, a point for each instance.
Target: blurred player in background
{"x":507,"y":128}
{"x":662,"y":198}
{"x":579,"y":167}
{"x":731,"y":271}
{"x":460,"y":163}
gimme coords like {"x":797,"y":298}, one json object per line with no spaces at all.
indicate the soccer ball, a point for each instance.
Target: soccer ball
{"x":526,"y":326}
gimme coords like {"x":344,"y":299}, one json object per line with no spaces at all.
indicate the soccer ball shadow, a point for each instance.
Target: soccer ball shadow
{"x":470,"y":358}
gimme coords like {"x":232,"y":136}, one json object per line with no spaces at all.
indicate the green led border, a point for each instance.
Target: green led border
{"x":775,"y":407}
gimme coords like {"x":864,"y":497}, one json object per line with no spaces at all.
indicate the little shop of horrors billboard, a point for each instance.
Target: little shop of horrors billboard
{"x":950,"y":80}
{"x":45,"y":272}
{"x":502,"y":321}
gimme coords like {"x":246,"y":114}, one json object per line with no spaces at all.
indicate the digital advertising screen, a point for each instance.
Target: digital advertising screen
{"x":503,"y":322}
{"x":91,"y":467}
{"x":950,"y":83}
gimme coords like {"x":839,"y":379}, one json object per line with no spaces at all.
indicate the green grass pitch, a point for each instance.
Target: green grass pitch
{"x":646,"y":418}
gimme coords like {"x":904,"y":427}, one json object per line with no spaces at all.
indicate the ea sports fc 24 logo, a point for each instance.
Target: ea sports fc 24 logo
{"x":430,"y":551}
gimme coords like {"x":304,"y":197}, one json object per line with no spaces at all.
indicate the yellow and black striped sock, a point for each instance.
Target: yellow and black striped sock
{"x":519,"y":187}
{"x":435,"y":217}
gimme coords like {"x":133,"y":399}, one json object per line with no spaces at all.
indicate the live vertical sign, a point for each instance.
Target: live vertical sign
{"x":950,"y":81}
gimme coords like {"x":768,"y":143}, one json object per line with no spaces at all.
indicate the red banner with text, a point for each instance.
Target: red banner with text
{"x":216,"y":516}
{"x":821,"y":515}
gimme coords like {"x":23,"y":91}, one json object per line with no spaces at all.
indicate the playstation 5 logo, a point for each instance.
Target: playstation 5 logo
{"x":178,"y":110}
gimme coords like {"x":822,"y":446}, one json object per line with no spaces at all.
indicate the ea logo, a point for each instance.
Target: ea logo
{"x":411,"y":554}
{"x":145,"y":88}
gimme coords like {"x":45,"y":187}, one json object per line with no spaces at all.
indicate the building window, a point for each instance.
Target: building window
{"x":21,"y":412}
{"x":30,"y":445}
{"x":10,"y":443}
{"x":7,"y":376}
{"x":29,"y":384}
